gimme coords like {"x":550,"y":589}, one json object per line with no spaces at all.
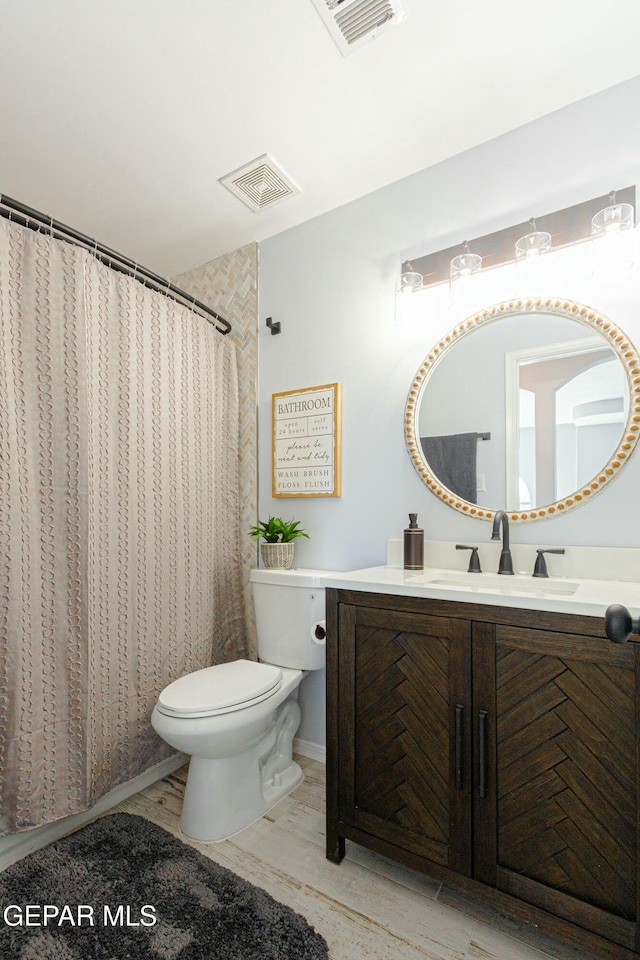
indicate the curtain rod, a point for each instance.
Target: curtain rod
{"x":34,"y":220}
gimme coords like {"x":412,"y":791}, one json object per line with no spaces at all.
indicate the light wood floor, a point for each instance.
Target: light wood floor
{"x":367,"y":908}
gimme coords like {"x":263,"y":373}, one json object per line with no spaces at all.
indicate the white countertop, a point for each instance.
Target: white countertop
{"x":557,"y":594}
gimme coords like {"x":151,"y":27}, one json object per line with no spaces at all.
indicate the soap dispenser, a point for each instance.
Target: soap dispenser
{"x":413,"y":545}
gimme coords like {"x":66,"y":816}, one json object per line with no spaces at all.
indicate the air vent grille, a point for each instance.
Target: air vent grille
{"x":352,"y":23}
{"x":260,"y":183}
{"x":362,"y":18}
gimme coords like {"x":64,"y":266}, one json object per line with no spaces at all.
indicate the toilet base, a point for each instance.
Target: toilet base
{"x":223,"y":796}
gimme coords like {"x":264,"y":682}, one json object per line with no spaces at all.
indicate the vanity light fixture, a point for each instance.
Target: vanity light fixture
{"x":533,"y":244}
{"x":586,"y":221}
{"x":410,"y":280}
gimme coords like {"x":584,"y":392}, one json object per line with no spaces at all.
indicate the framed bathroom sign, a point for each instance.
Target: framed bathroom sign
{"x":306,"y":442}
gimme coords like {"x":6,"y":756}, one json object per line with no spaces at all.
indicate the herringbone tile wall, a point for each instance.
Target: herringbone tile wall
{"x":229,"y":285}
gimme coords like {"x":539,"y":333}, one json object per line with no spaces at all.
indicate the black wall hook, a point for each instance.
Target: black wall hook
{"x":274,"y":327}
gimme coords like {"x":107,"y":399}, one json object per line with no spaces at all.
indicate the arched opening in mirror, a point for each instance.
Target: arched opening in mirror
{"x":554,"y":443}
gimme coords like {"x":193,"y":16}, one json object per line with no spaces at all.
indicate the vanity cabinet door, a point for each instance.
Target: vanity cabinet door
{"x":405,"y":726}
{"x":557,"y":825}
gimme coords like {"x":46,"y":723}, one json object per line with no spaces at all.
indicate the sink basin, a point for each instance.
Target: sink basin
{"x":489,"y":583}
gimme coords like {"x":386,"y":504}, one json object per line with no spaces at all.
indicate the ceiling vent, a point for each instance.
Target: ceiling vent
{"x":352,"y":23}
{"x":260,"y":184}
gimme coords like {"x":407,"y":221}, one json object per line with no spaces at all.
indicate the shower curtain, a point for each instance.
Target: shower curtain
{"x":119,"y":533}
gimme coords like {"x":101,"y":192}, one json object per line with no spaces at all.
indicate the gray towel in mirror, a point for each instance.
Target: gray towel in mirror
{"x":453,"y":460}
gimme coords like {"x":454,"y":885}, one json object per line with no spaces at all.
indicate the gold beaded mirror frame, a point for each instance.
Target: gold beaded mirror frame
{"x":595,"y":323}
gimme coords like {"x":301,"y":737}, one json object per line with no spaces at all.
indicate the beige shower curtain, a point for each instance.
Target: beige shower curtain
{"x":119,"y":534}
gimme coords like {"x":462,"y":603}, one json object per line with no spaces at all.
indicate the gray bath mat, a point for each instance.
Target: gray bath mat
{"x":125,"y":888}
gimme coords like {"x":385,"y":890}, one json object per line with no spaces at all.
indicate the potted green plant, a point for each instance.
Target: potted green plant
{"x":279,"y":538}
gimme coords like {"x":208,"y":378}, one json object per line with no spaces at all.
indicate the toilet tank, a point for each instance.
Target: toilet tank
{"x":289,"y":605}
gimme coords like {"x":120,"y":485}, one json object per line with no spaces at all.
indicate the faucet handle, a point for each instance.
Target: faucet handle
{"x":540,"y":568}
{"x":474,"y":559}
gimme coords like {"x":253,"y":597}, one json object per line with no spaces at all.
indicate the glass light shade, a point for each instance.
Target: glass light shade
{"x":612,"y":219}
{"x":464,"y":266}
{"x":461,"y":269}
{"x":410,"y":280}
{"x":533,"y":245}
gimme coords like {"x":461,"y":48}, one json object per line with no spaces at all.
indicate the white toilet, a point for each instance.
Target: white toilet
{"x":237,"y":720}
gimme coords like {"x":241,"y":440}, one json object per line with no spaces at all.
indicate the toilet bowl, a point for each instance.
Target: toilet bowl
{"x":237,"y":720}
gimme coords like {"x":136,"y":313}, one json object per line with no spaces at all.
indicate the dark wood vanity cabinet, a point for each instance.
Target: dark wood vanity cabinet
{"x":400,"y":674}
{"x":496,"y":748}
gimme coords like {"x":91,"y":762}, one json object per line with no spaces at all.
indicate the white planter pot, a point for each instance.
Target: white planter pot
{"x":277,"y":556}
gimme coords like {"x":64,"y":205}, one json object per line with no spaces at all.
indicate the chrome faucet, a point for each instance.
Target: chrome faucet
{"x":506,"y":563}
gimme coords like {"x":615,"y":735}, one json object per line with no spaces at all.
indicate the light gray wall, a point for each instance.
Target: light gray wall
{"x":331,"y":284}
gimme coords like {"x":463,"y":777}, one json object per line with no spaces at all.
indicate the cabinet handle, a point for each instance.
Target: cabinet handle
{"x":458,"y":746}
{"x":482,"y":753}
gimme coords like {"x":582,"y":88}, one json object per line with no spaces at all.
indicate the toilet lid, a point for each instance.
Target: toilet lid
{"x":220,"y":688}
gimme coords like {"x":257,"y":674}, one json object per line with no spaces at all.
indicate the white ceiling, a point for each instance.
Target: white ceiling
{"x":119,"y":116}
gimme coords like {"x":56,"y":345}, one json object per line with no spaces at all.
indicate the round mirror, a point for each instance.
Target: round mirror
{"x":530,"y":406}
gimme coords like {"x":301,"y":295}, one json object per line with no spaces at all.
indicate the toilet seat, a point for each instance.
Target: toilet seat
{"x":223,"y":688}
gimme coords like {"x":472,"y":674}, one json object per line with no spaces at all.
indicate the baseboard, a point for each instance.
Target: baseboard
{"x":314,"y":751}
{"x":17,"y":845}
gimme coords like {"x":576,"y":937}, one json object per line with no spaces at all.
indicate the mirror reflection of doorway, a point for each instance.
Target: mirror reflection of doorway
{"x":590,"y":413}
{"x":571,"y":402}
